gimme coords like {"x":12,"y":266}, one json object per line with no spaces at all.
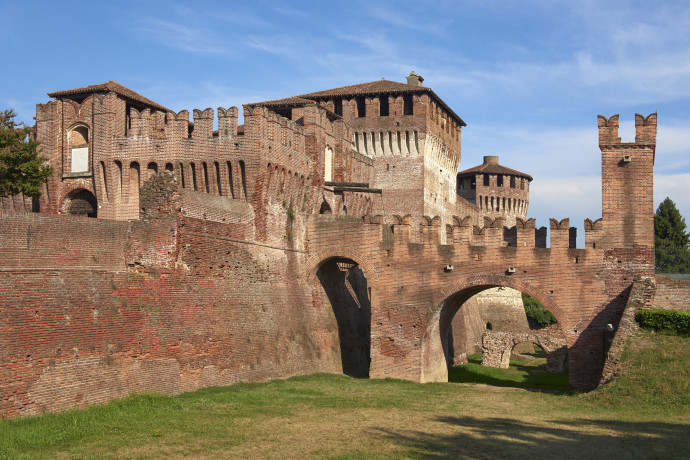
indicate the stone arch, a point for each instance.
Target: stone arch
{"x":433,"y":358}
{"x":81,"y":202}
{"x":497,"y":348}
{"x":343,"y":298}
{"x":78,"y":135}
{"x":325,"y":208}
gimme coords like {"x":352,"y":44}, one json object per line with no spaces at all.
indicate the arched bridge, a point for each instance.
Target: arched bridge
{"x":415,"y":284}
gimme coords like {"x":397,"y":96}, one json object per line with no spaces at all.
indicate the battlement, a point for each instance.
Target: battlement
{"x":493,"y":232}
{"x":645,"y":130}
{"x":157,"y":124}
{"x":627,"y":183}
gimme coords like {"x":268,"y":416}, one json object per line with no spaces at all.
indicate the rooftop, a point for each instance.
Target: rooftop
{"x":113,"y":86}
{"x":491,"y":166}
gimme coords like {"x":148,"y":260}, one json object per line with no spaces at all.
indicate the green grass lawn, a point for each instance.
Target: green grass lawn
{"x":645,"y":414}
{"x":523,"y":373}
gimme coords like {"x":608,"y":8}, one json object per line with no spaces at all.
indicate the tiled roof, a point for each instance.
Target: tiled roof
{"x":285,"y":102}
{"x":381,"y":87}
{"x":372,"y":87}
{"x":113,"y":86}
{"x":493,"y":169}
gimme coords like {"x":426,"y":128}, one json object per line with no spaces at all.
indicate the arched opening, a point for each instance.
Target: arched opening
{"x":473,"y":311}
{"x":151,"y":169}
{"x":325,"y":208}
{"x":79,"y":149}
{"x":345,"y":288}
{"x":83,"y":203}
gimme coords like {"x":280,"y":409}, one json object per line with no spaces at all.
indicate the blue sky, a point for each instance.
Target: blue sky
{"x":528,"y":77}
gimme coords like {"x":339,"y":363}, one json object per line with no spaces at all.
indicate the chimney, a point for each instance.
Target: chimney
{"x":490,"y":160}
{"x":414,"y":79}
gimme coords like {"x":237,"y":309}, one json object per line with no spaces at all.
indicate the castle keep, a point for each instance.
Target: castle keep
{"x":329,"y":232}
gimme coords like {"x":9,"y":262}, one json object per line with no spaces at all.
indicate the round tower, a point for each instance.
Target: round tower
{"x":496,"y":190}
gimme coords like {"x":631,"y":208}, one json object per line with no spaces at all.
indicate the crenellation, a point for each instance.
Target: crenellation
{"x":645,"y":129}
{"x":254,"y":236}
{"x":593,"y":233}
{"x":178,"y":125}
{"x":227,"y":123}
{"x":608,"y":130}
{"x":203,"y":124}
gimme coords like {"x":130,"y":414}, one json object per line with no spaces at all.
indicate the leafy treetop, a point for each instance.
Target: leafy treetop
{"x":22,"y":169}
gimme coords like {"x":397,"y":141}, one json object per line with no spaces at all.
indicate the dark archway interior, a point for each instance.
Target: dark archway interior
{"x":348,"y":294}
{"x":448,"y":311}
{"x":83,"y":203}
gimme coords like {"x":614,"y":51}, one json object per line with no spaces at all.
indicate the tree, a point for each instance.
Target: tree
{"x":671,"y":242}
{"x":537,"y":315}
{"x":22,"y":169}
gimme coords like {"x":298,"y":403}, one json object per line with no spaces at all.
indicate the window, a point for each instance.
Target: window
{"x":361,"y":107}
{"x":338,"y":106}
{"x":383,"y":106}
{"x":328,"y":169}
{"x":79,"y":148}
{"x":407,"y":105}
{"x":486,"y":180}
{"x":243,"y":176}
{"x":499,"y":180}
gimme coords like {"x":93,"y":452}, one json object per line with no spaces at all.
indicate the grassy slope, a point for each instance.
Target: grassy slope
{"x":645,"y":414}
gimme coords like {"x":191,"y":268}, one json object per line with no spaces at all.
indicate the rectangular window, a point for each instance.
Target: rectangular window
{"x":383,"y":106}
{"x":338,"y":106}
{"x":407,"y":105}
{"x":361,"y":107}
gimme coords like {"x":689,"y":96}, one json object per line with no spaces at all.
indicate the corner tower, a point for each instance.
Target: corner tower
{"x":496,"y":190}
{"x":628,"y":183}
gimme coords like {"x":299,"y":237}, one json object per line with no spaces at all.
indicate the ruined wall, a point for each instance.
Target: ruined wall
{"x":98,"y":309}
{"x":672,"y":292}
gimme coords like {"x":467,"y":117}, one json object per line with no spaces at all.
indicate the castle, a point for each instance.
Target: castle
{"x":329,"y":232}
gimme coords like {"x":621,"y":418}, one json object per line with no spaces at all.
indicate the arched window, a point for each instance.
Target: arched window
{"x":83,"y":203}
{"x":79,"y":149}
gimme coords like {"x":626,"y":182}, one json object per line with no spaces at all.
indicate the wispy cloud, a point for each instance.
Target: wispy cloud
{"x":192,"y":39}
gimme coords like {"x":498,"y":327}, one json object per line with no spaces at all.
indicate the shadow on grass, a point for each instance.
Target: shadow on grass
{"x":580,"y":438}
{"x":521,"y":374}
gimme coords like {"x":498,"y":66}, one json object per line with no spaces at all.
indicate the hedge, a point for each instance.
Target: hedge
{"x":677,"y":322}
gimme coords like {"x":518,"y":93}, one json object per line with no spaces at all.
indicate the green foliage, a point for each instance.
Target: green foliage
{"x":536,"y":313}
{"x":281,"y":418}
{"x":671,"y":242}
{"x":522,"y":373}
{"x":675,"y":322}
{"x":22,"y":169}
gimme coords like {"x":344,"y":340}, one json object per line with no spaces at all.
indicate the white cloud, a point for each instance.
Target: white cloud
{"x":192,"y":39}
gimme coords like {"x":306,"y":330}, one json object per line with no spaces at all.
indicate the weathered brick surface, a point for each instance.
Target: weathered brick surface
{"x":222,"y":269}
{"x":672,"y":293}
{"x":642,"y":294}
{"x":497,"y":348}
